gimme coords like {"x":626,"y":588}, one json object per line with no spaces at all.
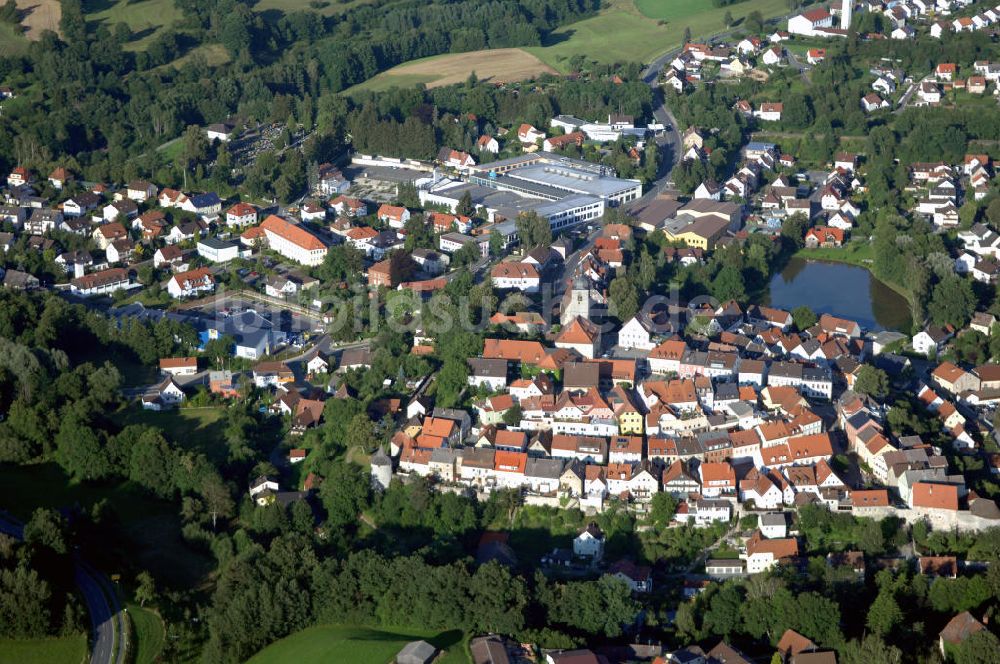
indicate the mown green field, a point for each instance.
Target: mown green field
{"x":12,"y":42}
{"x":197,"y":429}
{"x":145,"y":17}
{"x":625,"y":31}
{"x":324,"y":7}
{"x":147,"y":630}
{"x":65,"y":650}
{"x":358,"y":645}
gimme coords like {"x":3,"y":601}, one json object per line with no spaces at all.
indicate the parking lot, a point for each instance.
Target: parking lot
{"x":380,"y":183}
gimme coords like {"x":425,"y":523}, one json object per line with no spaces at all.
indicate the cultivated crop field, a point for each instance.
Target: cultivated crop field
{"x":39,"y":15}
{"x":501,"y":65}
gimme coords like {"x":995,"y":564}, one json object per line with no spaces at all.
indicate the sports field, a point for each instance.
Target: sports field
{"x":358,"y":645}
{"x":500,"y":65}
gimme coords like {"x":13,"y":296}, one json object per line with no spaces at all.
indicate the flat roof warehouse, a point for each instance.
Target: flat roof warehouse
{"x":563,"y":190}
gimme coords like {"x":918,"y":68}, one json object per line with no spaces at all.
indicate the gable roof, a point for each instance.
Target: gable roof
{"x":960,"y":628}
{"x":292,"y":233}
{"x":935,"y":496}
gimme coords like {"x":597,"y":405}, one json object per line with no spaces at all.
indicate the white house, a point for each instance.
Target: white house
{"x":395,"y":216}
{"x":637,"y":332}
{"x":140,"y":190}
{"x":241,"y":215}
{"x":589,"y":543}
{"x":517,"y":276}
{"x":192,"y":282}
{"x":488,"y":144}
{"x":762,"y":554}
{"x":708,"y":190}
{"x":218,"y":251}
{"x":871,"y":102}
{"x":931,"y":338}
{"x":528,"y":135}
{"x":220,"y":131}
{"x":769,"y":111}
{"x":929,"y":92}
{"x":170,"y":255}
{"x":165,"y":394}
{"x":773,"y":525}
{"x":179,"y":366}
{"x":772,"y":56}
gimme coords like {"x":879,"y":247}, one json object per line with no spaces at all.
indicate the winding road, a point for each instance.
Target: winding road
{"x":110,"y":637}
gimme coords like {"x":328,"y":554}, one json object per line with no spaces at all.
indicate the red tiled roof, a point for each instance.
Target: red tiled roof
{"x":294,"y":234}
{"x":935,"y":496}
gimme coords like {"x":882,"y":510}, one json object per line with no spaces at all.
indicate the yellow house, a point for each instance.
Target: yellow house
{"x":701,"y":233}
{"x":631,"y":423}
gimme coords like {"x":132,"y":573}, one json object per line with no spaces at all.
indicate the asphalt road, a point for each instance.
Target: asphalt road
{"x":106,"y":620}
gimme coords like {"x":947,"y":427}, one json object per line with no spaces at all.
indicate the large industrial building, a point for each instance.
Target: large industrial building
{"x":565,"y":191}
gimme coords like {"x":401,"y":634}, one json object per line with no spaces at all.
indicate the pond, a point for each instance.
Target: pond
{"x":841,"y":290}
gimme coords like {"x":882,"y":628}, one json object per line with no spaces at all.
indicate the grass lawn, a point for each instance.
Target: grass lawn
{"x":537,"y":530}
{"x":65,"y":650}
{"x":359,"y":645}
{"x":145,"y":18}
{"x":324,"y":7}
{"x":134,"y":373}
{"x":853,"y":253}
{"x":12,"y":42}
{"x":147,"y":630}
{"x":214,"y":54}
{"x":625,"y":31}
{"x":172,"y":149}
{"x":192,"y":428}
{"x":672,"y":9}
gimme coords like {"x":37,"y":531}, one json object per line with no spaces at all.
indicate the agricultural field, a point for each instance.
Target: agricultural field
{"x":40,"y":15}
{"x":64,"y":650}
{"x":500,"y":65}
{"x":360,"y":645}
{"x":640,"y":30}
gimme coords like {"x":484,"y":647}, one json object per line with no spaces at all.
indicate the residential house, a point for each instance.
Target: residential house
{"x":395,"y":216}
{"x":192,"y":282}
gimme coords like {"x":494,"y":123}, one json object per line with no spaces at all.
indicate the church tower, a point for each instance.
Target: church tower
{"x":381,"y":470}
{"x":576,"y":302}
